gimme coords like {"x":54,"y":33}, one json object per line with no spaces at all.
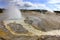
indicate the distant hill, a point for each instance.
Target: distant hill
{"x":35,"y":10}
{"x":57,"y":11}
{"x":1,"y":10}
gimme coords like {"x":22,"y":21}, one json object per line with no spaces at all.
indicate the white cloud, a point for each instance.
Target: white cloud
{"x":29,"y":5}
{"x":55,"y":4}
{"x":57,"y":7}
{"x":33,"y":6}
{"x":13,"y":1}
{"x":36,"y":6}
{"x":53,"y":1}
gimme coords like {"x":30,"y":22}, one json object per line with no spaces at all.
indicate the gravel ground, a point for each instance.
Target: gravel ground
{"x":18,"y":28}
{"x":48,"y":37}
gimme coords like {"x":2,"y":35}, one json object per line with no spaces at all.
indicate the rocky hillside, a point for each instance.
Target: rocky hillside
{"x":37,"y":25}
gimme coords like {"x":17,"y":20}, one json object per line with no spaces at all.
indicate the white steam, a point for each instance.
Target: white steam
{"x":12,"y":12}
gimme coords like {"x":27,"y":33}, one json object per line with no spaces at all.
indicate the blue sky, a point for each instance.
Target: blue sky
{"x":36,"y":4}
{"x":37,"y":1}
{"x":46,"y":4}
